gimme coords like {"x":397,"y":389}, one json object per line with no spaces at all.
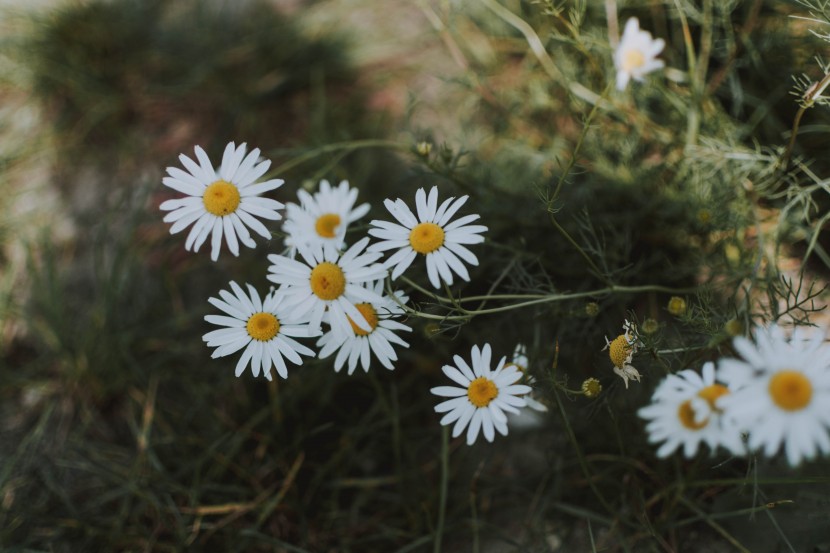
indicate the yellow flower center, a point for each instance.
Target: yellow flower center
{"x":633,"y":59}
{"x":328,"y":281}
{"x":686,"y":414}
{"x":369,"y":314}
{"x":326,"y":225}
{"x":482,"y":391}
{"x":618,"y":351}
{"x":426,"y":237}
{"x":221,"y":198}
{"x":263,"y":326}
{"x":790,"y":390}
{"x":712,"y":393}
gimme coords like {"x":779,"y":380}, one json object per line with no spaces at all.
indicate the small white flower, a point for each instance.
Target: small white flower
{"x":380,"y":316}
{"x":322,"y":218}
{"x":483,"y":396}
{"x":264,"y":328}
{"x":224,"y":203}
{"x":431,"y":234}
{"x":323,"y":279}
{"x":782,"y":392}
{"x":636,"y":55}
{"x":683,"y":412}
{"x":521,"y":362}
{"x":621,"y":351}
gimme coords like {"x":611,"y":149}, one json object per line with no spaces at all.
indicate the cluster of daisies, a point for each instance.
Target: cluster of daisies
{"x":332,"y":291}
{"x":776,"y":396}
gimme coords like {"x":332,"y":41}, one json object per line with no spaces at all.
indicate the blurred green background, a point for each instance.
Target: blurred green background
{"x":119,"y":433}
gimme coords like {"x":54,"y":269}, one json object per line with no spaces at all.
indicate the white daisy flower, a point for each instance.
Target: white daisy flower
{"x":378,"y":340}
{"x":265,"y":328}
{"x":636,"y":54}
{"x":520,"y":361}
{"x":221,"y":203}
{"x":483,"y":396}
{"x":430,"y":233}
{"x":683,"y":412}
{"x":322,"y":218}
{"x":323,"y":279}
{"x":782,"y":395}
{"x":621,"y":351}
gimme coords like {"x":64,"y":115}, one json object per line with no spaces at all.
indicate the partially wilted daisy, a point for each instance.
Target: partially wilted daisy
{"x":684,"y":412}
{"x":323,"y":279}
{"x":782,"y":391}
{"x":222,"y":203}
{"x":324,"y":217}
{"x":520,"y":361}
{"x":621,"y":351}
{"x":378,"y":341}
{"x":430,"y":234}
{"x":636,"y":55}
{"x":483,"y":396}
{"x":264,"y":327}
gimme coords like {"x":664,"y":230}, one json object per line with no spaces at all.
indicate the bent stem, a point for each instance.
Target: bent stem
{"x":809,"y":101}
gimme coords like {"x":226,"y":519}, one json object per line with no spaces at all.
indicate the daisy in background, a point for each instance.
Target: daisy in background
{"x":430,"y":234}
{"x":322,"y":218}
{"x":263,"y":327}
{"x":636,"y":54}
{"x":482,"y":397}
{"x":520,"y":361}
{"x":684,"y":412}
{"x":378,"y":341}
{"x":782,"y":391}
{"x":324,"y":280}
{"x":621,"y":351}
{"x":221,"y":203}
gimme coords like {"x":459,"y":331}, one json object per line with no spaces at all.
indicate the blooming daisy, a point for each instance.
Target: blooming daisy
{"x":782,"y":392}
{"x":324,"y":217}
{"x":378,"y":340}
{"x":323,"y":279}
{"x":223,"y":203}
{"x":520,"y":361}
{"x":621,"y":350}
{"x":636,"y":54}
{"x":431,"y":234}
{"x":264,"y":327}
{"x":483,"y":396}
{"x":683,"y":412}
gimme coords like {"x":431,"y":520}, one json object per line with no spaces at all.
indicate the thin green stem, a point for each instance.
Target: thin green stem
{"x":445,"y":478}
{"x":469,"y":313}
{"x":577,"y":148}
{"x":579,"y":249}
{"x":583,"y":464}
{"x":808,"y":102}
{"x":349,"y":145}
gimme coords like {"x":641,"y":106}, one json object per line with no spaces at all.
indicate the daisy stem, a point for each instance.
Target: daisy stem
{"x":445,"y":477}
{"x":579,"y":248}
{"x":535,"y":300}
{"x":714,"y":525}
{"x":583,"y":464}
{"x":808,"y":102}
{"x":337,"y":146}
{"x":586,"y":126}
